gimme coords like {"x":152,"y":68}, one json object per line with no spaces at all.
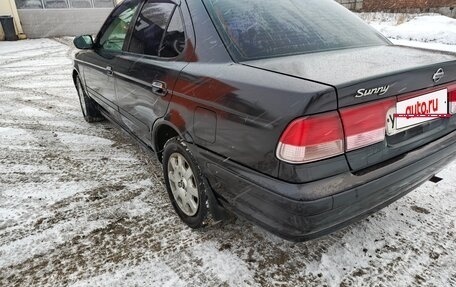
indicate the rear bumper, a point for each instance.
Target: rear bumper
{"x":301,"y":212}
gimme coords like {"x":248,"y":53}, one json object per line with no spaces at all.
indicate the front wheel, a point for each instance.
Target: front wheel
{"x":89,"y":107}
{"x":185,"y":183}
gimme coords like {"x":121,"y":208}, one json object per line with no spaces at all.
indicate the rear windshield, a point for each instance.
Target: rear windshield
{"x":256,"y":29}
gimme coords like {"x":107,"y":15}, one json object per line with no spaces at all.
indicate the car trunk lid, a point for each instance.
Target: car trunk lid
{"x":369,"y":75}
{"x":379,"y":71}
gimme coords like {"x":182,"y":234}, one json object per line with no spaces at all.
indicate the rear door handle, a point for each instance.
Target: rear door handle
{"x":159,"y":88}
{"x":109,"y":71}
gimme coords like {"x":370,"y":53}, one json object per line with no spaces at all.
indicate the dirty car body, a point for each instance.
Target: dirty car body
{"x":288,"y":108}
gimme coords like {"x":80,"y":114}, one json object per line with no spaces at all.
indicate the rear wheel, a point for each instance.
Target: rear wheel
{"x":89,"y":107}
{"x":185,"y":183}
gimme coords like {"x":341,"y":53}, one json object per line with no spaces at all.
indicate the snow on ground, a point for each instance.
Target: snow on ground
{"x":431,"y":31}
{"x":82,"y":205}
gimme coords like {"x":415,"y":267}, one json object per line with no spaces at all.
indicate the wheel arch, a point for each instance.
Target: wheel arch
{"x":75,"y":75}
{"x":163,"y":131}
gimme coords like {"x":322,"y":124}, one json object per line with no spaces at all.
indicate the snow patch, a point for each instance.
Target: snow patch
{"x":20,"y":250}
{"x":429,"y":28}
{"x":47,"y":192}
{"x":151,"y":273}
{"x":14,"y":133}
{"x":83,"y":141}
{"x":226,"y":266}
{"x":31,"y":112}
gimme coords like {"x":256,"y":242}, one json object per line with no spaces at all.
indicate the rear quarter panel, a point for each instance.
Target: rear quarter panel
{"x":252,"y":107}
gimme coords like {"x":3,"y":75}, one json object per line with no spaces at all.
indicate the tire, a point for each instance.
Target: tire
{"x":185,"y":183}
{"x":89,"y":107}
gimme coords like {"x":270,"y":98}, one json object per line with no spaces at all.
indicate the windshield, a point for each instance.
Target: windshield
{"x":258,"y":29}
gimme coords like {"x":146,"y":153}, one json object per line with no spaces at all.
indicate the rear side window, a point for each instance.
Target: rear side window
{"x":158,"y":31}
{"x":173,"y":42}
{"x":258,"y":29}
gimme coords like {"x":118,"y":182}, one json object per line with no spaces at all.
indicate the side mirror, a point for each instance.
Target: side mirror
{"x":84,"y":42}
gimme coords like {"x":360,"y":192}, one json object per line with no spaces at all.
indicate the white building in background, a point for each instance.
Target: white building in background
{"x":52,"y":18}
{"x":62,"y":4}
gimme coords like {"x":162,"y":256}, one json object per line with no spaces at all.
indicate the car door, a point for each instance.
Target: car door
{"x":149,"y":67}
{"x":100,"y":62}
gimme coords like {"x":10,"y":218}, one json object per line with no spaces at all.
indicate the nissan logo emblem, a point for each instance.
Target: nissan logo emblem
{"x":438,"y":75}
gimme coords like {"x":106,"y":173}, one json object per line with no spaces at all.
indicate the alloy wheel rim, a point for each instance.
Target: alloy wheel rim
{"x":183,"y":184}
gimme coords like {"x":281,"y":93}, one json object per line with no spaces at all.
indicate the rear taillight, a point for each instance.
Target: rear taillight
{"x":452,"y":99}
{"x":312,"y":138}
{"x":365,"y":125}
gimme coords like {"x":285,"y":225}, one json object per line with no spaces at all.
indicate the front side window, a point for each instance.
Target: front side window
{"x":114,"y":35}
{"x":258,"y":29}
{"x":173,"y":42}
{"x":156,"y":24}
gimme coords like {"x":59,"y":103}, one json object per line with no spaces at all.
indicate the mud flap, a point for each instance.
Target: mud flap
{"x":219,"y":213}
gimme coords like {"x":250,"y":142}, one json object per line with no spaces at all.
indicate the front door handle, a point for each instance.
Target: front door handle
{"x":109,"y":71}
{"x":159,"y":88}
